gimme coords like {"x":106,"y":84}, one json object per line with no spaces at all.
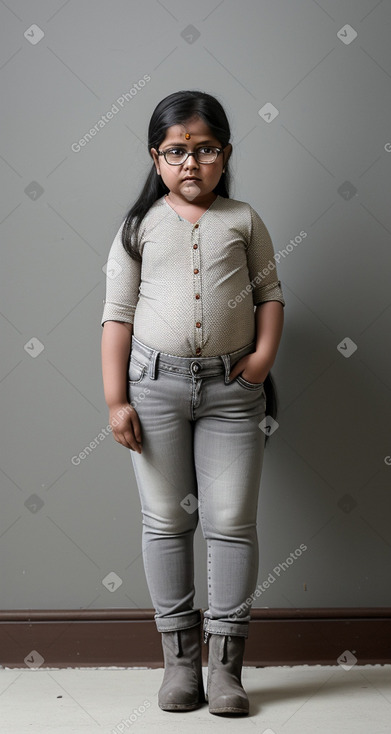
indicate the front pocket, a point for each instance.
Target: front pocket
{"x":248,"y":385}
{"x":136,"y":370}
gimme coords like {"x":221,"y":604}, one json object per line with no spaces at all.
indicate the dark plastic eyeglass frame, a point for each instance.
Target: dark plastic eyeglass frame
{"x":193,"y":153}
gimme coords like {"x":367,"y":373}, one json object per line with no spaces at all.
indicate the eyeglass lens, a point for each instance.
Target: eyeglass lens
{"x":177,"y":156}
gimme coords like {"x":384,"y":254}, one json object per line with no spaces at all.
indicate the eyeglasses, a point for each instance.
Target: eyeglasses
{"x":177,"y":156}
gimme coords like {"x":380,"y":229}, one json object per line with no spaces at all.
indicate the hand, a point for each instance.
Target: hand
{"x":125,"y":425}
{"x":252,"y":367}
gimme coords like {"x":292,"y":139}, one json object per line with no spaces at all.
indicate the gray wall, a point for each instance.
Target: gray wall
{"x":70,"y":533}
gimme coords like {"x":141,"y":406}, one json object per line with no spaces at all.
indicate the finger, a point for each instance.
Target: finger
{"x":136,"y":426}
{"x":120,"y":438}
{"x":134,"y":444}
{"x":238,"y":367}
{"x":127,"y":439}
{"x":234,"y":373}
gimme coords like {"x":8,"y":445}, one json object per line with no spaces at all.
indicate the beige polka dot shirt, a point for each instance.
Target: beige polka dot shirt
{"x":194,"y":292}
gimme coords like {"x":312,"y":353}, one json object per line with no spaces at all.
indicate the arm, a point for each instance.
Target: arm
{"x":122,"y":286}
{"x":269,"y":301}
{"x":124,"y":421}
{"x":269,"y":319}
{"x":116,"y":342}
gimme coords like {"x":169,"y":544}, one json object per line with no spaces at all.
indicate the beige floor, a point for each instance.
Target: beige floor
{"x":283,"y":700}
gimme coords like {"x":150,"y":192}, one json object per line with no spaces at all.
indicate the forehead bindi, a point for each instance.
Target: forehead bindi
{"x":192,"y":133}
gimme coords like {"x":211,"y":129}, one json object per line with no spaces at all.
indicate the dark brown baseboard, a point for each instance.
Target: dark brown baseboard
{"x":129,"y":638}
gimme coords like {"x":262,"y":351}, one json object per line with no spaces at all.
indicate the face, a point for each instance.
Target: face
{"x":207,"y":175}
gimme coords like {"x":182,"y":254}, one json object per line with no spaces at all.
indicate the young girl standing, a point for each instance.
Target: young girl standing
{"x":192,"y":321}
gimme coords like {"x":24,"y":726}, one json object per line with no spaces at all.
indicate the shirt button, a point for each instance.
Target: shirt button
{"x":198,"y":350}
{"x":195,"y":247}
{"x":198,"y":324}
{"x":197,"y":295}
{"x":196,"y":271}
{"x":196,"y":226}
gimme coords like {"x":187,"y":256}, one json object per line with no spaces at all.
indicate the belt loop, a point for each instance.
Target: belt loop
{"x":227,"y":364}
{"x":152,"y":364}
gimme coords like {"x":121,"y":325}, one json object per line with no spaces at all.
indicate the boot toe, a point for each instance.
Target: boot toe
{"x":182,"y":695}
{"x":177,"y":699}
{"x":230,"y":704}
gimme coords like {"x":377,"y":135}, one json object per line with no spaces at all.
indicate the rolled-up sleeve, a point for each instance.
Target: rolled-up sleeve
{"x":123,"y":275}
{"x":261,"y":263}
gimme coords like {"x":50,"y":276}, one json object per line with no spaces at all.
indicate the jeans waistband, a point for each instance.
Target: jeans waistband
{"x":201,"y":366}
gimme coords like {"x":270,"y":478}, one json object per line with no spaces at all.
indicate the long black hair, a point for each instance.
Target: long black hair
{"x":177,"y":109}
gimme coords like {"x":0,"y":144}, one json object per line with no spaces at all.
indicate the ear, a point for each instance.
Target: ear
{"x":227,"y":153}
{"x":156,"y":160}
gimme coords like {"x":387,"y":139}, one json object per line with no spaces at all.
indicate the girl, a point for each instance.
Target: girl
{"x":192,"y":321}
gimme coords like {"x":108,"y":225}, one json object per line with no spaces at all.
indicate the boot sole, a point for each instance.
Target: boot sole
{"x":229,"y":710}
{"x":180,"y":706}
{"x":183,"y":706}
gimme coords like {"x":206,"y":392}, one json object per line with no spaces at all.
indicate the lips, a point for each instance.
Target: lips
{"x":191,"y":179}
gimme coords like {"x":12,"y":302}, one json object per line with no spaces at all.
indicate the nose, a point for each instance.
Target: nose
{"x":193,"y":163}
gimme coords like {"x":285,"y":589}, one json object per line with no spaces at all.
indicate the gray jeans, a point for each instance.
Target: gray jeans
{"x":202,"y":454}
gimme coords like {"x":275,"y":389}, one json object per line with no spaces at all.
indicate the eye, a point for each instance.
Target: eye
{"x":176,"y":151}
{"x":206,"y":149}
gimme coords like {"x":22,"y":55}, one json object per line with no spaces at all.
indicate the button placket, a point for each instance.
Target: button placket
{"x":197,"y":290}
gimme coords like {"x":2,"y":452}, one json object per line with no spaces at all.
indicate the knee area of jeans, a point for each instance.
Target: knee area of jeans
{"x":180,"y":524}
{"x":227,"y":526}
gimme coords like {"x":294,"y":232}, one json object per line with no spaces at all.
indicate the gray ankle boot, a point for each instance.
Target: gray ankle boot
{"x":225,"y":692}
{"x":182,"y":688}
